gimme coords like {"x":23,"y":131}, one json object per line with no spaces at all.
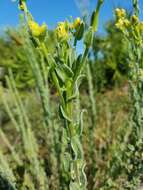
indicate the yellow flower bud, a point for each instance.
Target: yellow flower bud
{"x":21,"y":7}
{"x":43,"y":29}
{"x":37,"y":30}
{"x":134,"y":19}
{"x":61,"y":31}
{"x":120,"y":13}
{"x":77,"y":23}
{"x":126,"y":23}
{"x":120,"y":24}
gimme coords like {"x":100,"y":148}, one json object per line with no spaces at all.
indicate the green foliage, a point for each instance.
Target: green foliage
{"x":110,"y":52}
{"x":12,"y":56}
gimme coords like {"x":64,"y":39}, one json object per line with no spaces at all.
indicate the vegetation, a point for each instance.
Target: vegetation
{"x":70,"y":121}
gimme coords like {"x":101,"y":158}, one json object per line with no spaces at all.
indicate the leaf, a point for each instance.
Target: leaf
{"x":71,"y":57}
{"x":66,"y":162}
{"x":75,"y":186}
{"x":77,"y":147}
{"x":95,"y":16}
{"x":63,"y":115}
{"x":61,"y":74}
{"x":64,"y":72}
{"x":80,"y":128}
{"x":76,"y":64}
{"x":80,"y":31}
{"x":88,"y":38}
{"x":51,"y":61}
{"x":64,"y":138}
{"x":131,"y":147}
{"x":67,"y":70}
{"x":76,"y":91}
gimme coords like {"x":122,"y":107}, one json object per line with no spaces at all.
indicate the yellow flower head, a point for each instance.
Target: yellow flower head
{"x":123,"y":24}
{"x":120,"y":24}
{"x":134,"y":19}
{"x":37,"y":30}
{"x":61,"y":31}
{"x":120,"y":13}
{"x":22,"y":4}
{"x":126,"y":23}
{"x":21,"y":7}
{"x":77,"y":23}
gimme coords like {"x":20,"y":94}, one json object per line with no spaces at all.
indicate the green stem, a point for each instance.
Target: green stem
{"x":136,"y":7}
{"x":77,"y":160}
{"x":95,"y":15}
{"x":82,"y":63}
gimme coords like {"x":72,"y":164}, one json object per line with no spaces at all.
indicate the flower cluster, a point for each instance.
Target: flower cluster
{"x":122,"y":22}
{"x":126,"y":24}
{"x":37,"y":30}
{"x":64,"y":29}
{"x":120,"y":13}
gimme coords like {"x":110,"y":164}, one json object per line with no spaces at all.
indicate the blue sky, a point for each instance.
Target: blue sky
{"x":52,"y":11}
